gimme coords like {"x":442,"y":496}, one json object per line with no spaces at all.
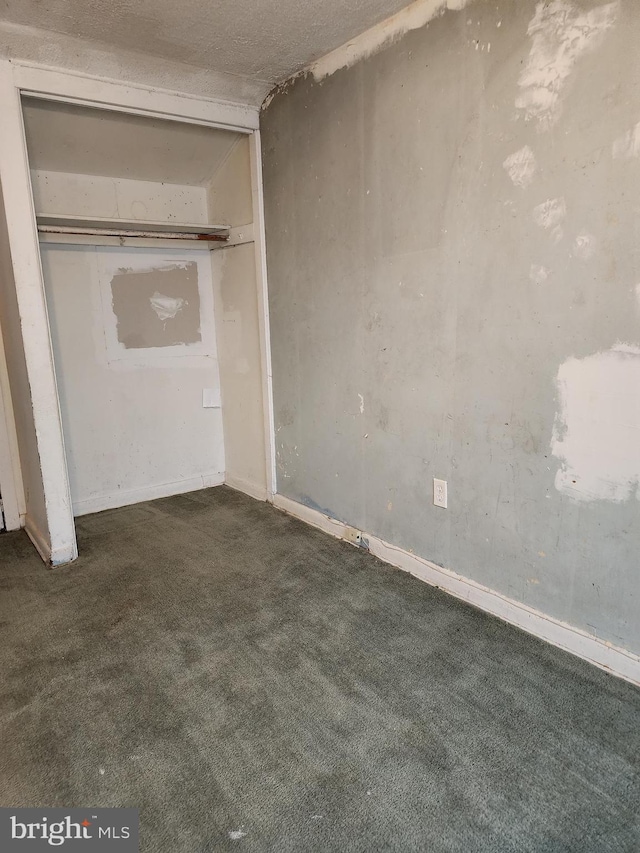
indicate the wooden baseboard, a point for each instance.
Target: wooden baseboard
{"x":146,"y":493}
{"x":618,"y":661}
{"x":251,"y":489}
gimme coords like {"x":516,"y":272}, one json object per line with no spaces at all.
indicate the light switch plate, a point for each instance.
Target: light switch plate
{"x":211,"y":398}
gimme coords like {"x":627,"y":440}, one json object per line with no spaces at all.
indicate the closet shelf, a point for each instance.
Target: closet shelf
{"x":88,"y":226}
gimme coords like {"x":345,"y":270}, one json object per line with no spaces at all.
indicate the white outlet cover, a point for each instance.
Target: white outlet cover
{"x":440,"y":493}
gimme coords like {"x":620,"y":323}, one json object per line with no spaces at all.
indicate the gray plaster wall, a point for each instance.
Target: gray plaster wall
{"x":452,"y":245}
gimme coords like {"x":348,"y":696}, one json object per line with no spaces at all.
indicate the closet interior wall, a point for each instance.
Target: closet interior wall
{"x":156,"y":341}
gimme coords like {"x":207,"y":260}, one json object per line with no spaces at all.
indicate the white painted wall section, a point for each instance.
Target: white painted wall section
{"x":597,"y":430}
{"x":561,"y":33}
{"x":134,"y":420}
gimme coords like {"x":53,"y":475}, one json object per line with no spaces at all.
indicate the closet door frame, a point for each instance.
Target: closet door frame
{"x":17,"y":79}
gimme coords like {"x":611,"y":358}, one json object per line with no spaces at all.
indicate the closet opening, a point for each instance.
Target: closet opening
{"x":149,"y":265}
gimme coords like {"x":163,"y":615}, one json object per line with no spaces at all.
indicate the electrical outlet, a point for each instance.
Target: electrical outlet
{"x":440,"y":493}
{"x":353,"y":535}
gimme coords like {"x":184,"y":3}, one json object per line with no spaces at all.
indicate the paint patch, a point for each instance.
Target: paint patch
{"x":550,"y":215}
{"x":596,"y":435}
{"x":361,"y":398}
{"x":521,"y":167}
{"x":561,"y":34}
{"x":413,"y":17}
{"x":174,"y":265}
{"x":538,"y":274}
{"x":628,"y":145}
{"x":236,"y":834}
{"x":166,"y":307}
{"x":584,"y":246}
{"x":157,"y":307}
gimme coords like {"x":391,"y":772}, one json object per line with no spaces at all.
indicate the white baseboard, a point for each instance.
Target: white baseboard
{"x":251,"y":489}
{"x":38,"y":539}
{"x":146,"y":493}
{"x":58,"y":556}
{"x":605,"y":655}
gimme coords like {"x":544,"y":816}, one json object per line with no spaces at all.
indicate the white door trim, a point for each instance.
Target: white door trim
{"x":11,"y":486}
{"x":52,"y":84}
{"x":257,"y":188}
{"x":27,"y":272}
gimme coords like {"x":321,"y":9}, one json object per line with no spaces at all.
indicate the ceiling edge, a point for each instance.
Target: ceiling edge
{"x":69,"y":53}
{"x":412,"y":17}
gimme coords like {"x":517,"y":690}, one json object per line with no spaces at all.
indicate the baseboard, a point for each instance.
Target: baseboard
{"x":251,"y":489}
{"x":58,"y":556}
{"x":605,"y":655}
{"x":146,"y":493}
{"x":38,"y":539}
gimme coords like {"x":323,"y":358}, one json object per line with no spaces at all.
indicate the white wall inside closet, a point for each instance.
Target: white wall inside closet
{"x":139,"y":326}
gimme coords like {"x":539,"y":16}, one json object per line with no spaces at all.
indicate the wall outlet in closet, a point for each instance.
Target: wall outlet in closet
{"x":211,"y":398}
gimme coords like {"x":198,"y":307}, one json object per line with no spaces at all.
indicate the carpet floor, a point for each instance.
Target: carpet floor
{"x":251,"y":684}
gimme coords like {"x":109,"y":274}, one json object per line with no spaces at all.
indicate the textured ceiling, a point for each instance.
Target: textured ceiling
{"x":264,"y":40}
{"x":66,"y":138}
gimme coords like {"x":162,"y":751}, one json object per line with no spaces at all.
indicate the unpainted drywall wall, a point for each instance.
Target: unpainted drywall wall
{"x":34,"y":502}
{"x":230,"y":201}
{"x":452,"y":247}
{"x":134,"y":343}
{"x":234,"y":273}
{"x":229,"y":192}
{"x":69,"y":138}
{"x":75,"y":194}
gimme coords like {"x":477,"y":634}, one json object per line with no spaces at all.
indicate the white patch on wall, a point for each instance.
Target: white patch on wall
{"x":521,"y":167}
{"x":538,"y":273}
{"x":584,"y":246}
{"x":550,"y":215}
{"x":561,"y":33}
{"x":597,"y":430}
{"x":166,"y":307}
{"x":628,"y":145}
{"x":412,"y":17}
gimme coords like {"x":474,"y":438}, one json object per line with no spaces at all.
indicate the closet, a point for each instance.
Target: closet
{"x":149,"y":265}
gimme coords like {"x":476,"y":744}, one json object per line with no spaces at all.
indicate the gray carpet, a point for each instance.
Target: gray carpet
{"x":251,"y":684}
